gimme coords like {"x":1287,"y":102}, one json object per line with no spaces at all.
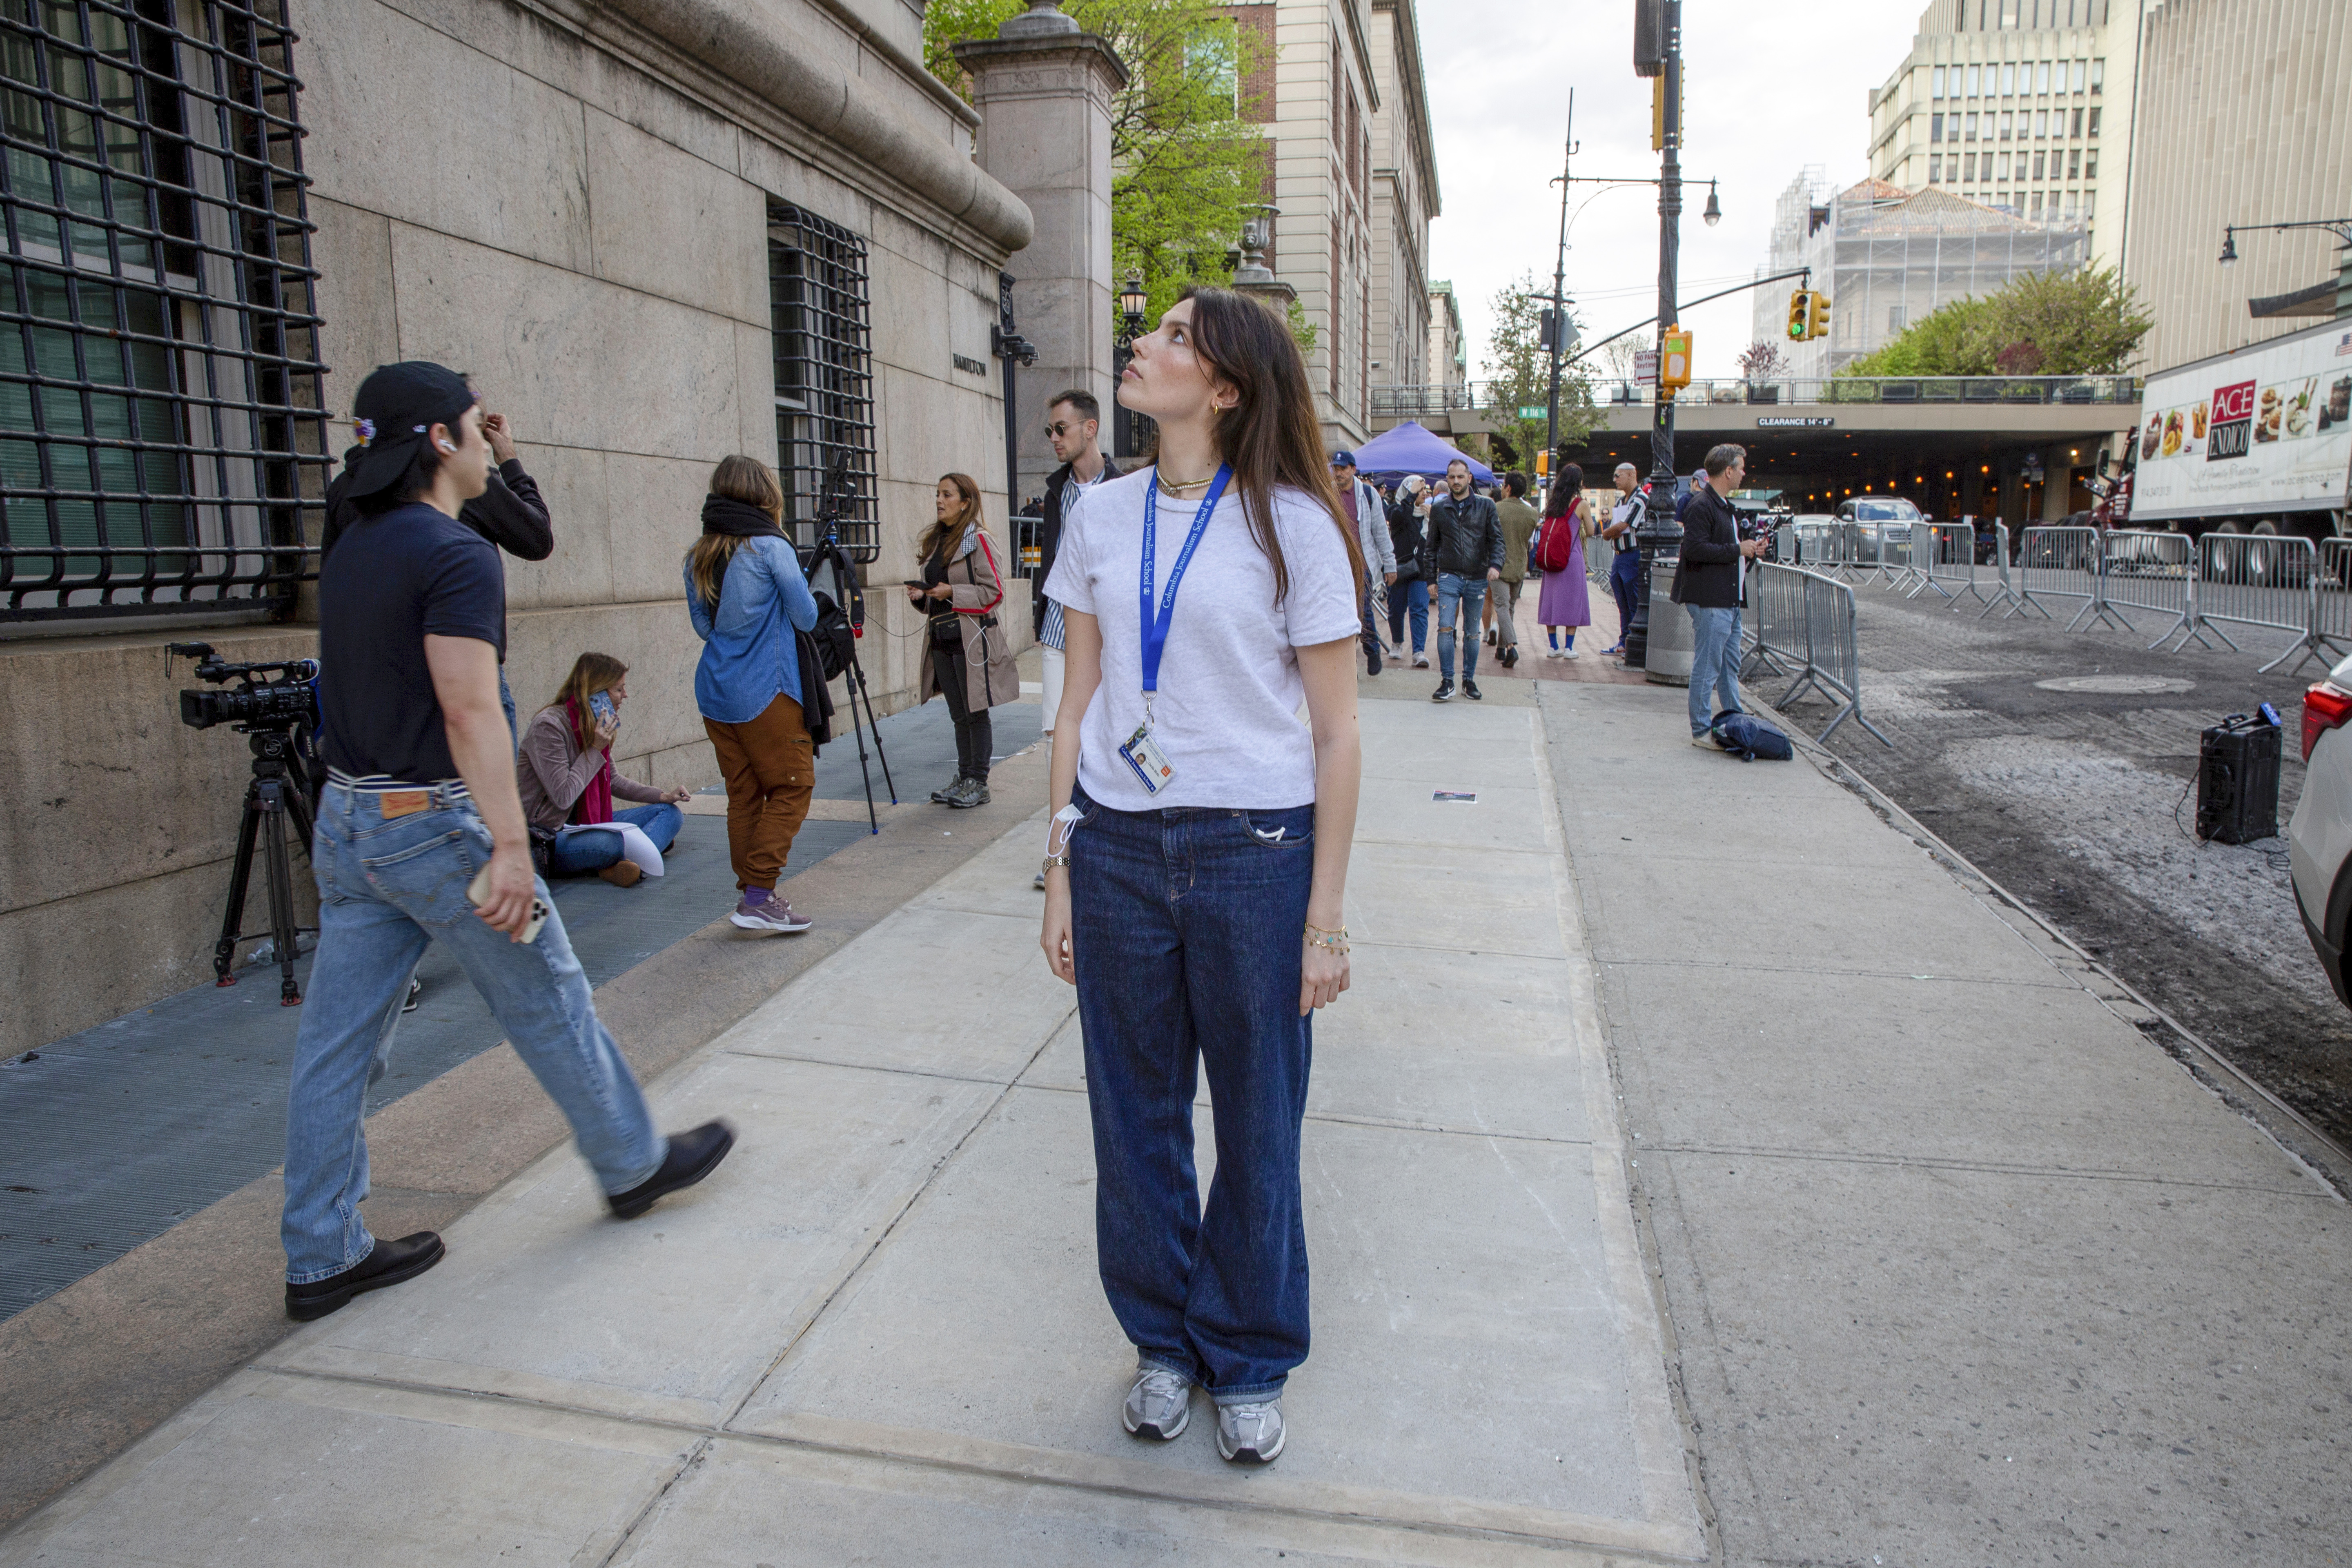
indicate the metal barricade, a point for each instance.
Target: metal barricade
{"x":2004,"y":588}
{"x":2262,"y":580}
{"x":2145,"y":569}
{"x":1784,"y":543}
{"x":2331,"y":604}
{"x":1949,"y":563}
{"x":1805,"y":620}
{"x":2055,"y":563}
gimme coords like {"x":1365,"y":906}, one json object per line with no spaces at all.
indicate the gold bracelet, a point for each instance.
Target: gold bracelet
{"x":1337,"y":940}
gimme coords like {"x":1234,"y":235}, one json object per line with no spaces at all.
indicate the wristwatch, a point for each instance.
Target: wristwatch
{"x":1062,"y":859}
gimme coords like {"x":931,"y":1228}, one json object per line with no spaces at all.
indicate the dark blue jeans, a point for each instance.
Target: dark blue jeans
{"x":1185,"y":928}
{"x":576,"y":854}
{"x":1625,"y":586}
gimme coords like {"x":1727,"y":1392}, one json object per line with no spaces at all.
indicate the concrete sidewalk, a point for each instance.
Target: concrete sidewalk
{"x":1696,"y":1171}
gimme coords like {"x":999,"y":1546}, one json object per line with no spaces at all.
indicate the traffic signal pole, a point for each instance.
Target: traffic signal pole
{"x":1659,"y":530}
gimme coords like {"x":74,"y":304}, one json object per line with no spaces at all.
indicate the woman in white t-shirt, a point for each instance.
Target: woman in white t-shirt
{"x":1199,"y":852}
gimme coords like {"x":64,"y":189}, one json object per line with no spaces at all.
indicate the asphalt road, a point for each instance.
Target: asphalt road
{"x":2081,"y":803}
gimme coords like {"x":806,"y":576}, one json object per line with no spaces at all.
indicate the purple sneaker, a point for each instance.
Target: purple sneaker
{"x":769,"y":914}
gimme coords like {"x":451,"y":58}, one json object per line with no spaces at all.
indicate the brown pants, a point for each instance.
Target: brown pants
{"x":771,"y":771}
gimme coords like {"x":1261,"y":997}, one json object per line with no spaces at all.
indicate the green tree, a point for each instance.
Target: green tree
{"x":1186,"y":161}
{"x":2085,"y":323}
{"x":1518,"y":376}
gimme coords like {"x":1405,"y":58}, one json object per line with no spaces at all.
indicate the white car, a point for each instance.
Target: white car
{"x":2319,"y":835}
{"x":1885,"y":525}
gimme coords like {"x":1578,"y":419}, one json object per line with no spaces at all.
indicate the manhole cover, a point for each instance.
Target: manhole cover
{"x":2117,"y":685}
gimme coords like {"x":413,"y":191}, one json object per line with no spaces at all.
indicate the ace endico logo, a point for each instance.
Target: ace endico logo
{"x":2234,"y":422}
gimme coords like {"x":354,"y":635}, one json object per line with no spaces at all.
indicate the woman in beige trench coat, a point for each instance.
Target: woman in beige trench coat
{"x":965,"y":654}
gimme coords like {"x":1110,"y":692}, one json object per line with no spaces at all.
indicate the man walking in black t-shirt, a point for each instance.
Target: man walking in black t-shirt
{"x":420,"y":837}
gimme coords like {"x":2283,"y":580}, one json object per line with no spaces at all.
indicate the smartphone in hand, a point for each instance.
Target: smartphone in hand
{"x":600,"y":703}
{"x":477,"y":892}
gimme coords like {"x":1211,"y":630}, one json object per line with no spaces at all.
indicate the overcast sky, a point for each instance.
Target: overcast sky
{"x":1767,"y":90}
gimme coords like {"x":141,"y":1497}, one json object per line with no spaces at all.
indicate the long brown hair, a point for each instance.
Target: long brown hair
{"x":741,"y":478}
{"x":949,"y":532}
{"x":591,"y":673}
{"x":1270,"y":436}
{"x":1568,"y":483}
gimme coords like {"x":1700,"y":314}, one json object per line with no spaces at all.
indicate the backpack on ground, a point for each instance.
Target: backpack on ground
{"x":1748,"y":738}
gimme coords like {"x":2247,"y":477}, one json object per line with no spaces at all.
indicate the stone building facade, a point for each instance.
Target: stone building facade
{"x":1405,"y":199}
{"x":655,"y":232}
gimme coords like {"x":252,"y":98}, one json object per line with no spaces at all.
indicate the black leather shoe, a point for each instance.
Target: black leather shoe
{"x":388,"y":1264}
{"x":692,"y":1156}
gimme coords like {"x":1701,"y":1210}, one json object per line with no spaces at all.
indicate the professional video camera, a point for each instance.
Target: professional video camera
{"x":275,"y":704}
{"x":275,"y":694}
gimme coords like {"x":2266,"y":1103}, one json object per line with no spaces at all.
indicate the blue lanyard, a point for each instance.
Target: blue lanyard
{"x":1155,"y":626}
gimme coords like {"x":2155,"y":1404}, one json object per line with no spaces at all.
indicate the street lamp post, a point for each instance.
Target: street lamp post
{"x":1659,"y":530}
{"x":1559,"y":344}
{"x":1128,"y":433}
{"x":2341,"y":227}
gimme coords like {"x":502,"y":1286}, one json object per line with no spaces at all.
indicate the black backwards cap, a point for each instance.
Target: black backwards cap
{"x":395,"y":411}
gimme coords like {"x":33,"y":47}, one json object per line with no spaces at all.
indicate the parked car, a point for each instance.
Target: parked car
{"x":2319,"y":835}
{"x":1885,"y":525}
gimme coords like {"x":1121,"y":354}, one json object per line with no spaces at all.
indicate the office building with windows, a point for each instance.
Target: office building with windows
{"x":654,"y":232}
{"x":2025,"y":106}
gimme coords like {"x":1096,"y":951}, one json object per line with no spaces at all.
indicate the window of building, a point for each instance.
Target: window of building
{"x":2098,"y":74}
{"x":2090,"y":201}
{"x":2004,"y":127}
{"x":160,"y":394}
{"x":2075,"y":163}
{"x":2077,"y":124}
{"x":1938,"y":84}
{"x":824,"y":349}
{"x":1893,"y":320}
{"x":2073,"y":197}
{"x":2007,"y":80}
{"x":1214,"y":54}
{"x":2041,"y":125}
{"x":1968,"y":176}
{"x":1976,"y":74}
{"x":1934,"y":127}
{"x":2004,"y":168}
{"x":2034,"y":209}
{"x":2094,"y":122}
{"x":2081,"y":74}
{"x":1936,"y":171}
{"x":2041,"y":78}
{"x":2037,"y":164}
{"x":2091,"y":164}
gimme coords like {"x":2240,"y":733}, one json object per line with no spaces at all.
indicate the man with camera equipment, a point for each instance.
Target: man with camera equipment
{"x":420,"y":837}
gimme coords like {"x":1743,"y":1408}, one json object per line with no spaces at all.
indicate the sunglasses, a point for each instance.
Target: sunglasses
{"x":1060,"y":427}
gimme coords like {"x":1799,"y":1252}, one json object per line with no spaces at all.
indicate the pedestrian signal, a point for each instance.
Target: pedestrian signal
{"x":1675,"y":359}
{"x":1543,"y":465}
{"x":1800,"y":316}
{"x":1817,"y":320}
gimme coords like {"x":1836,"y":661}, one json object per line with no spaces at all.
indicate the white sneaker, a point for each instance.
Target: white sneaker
{"x":1705,"y":740}
{"x":1250,"y":1434}
{"x":1158,"y":1404}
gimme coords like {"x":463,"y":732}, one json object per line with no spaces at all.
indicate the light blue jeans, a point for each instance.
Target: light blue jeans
{"x":576,"y":852}
{"x":1469,"y":595}
{"x":385,"y":889}
{"x":1714,"y":665}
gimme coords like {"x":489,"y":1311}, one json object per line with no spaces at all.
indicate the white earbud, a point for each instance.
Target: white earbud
{"x":446,"y":446}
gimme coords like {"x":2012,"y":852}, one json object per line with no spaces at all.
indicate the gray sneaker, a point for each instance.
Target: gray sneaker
{"x":771,"y":913}
{"x":968,"y":794}
{"x":1160,"y":1405}
{"x":1250,"y":1434}
{"x":945,"y":795}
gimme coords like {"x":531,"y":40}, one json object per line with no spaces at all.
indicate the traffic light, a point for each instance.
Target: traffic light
{"x":1816,"y":323}
{"x":1800,"y":316}
{"x":1543,"y":465}
{"x":1675,"y":359}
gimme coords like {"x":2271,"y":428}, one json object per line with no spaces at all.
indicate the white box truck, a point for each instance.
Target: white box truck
{"x":2259,"y":436}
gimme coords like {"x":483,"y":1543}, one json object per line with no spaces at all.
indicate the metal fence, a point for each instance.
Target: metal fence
{"x":2148,"y":571}
{"x":2268,"y":582}
{"x":2331,"y":603}
{"x":2057,"y":565}
{"x":1802,"y":622}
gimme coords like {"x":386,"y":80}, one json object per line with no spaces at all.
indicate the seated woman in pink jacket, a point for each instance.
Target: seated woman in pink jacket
{"x":568,"y":783}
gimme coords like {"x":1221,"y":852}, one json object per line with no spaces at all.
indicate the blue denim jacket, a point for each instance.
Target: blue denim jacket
{"x":747,"y":653}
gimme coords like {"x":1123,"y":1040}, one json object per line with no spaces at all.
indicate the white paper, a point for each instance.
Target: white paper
{"x":635,"y":848}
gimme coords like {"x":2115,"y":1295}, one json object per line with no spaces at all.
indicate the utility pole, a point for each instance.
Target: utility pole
{"x":1559,"y":290}
{"x":1659,"y":529}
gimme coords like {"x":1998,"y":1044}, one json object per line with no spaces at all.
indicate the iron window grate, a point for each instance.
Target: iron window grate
{"x":825,"y":379}
{"x":161,"y":434}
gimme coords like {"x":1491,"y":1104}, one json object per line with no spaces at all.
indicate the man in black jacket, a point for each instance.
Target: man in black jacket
{"x":1467,"y":538}
{"x":1707,"y":580}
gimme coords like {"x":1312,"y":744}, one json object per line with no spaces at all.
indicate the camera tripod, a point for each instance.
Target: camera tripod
{"x":277,"y":797}
{"x":851,"y":600}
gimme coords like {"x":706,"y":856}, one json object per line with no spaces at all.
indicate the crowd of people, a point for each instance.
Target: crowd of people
{"x":1196,"y":852}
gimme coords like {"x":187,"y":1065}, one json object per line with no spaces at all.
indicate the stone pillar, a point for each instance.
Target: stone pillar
{"x":1043,"y":89}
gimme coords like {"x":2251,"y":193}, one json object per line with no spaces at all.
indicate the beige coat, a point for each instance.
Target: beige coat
{"x":976,"y":590}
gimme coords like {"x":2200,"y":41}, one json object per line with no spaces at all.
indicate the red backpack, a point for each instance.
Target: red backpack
{"x":1554,"y":544}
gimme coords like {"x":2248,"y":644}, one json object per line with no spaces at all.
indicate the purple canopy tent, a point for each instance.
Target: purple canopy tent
{"x":1411,"y":449}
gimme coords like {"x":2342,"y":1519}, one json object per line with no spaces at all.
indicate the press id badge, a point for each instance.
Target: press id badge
{"x":1152,"y":765}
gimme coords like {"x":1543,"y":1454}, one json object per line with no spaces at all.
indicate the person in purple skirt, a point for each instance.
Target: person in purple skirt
{"x":1565,"y":601}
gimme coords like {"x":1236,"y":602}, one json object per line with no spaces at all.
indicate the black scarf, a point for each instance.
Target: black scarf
{"x":721,"y":515}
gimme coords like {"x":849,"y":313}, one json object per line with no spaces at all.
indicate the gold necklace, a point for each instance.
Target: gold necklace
{"x":1174,"y":487}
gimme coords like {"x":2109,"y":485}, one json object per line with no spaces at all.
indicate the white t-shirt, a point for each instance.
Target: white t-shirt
{"x":1226,"y":711}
